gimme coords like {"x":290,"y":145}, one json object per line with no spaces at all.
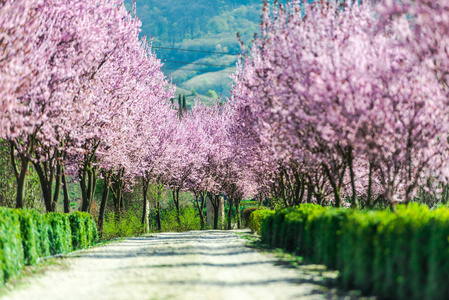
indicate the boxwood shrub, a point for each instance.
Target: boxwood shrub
{"x":11,"y":248}
{"x":400,"y":255}
{"x":256,"y":217}
{"x":26,"y":235}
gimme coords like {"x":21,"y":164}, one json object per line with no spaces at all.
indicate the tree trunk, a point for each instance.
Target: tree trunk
{"x":215,"y":217}
{"x":117,"y":193}
{"x":104,"y":199}
{"x":175,"y":193}
{"x":237,"y":208}
{"x":200,"y":207}
{"x":21,"y":181}
{"x":20,"y":176}
{"x":65,"y":189}
{"x":215,"y":201}
{"x":88,"y":182}
{"x":46,"y":181}
{"x":231,"y":203}
{"x":354,"y":201}
{"x":158,"y":216}
{"x":302,"y":189}
{"x":335,"y":187}
{"x":146,"y":210}
{"x":370,"y":185}
{"x":57,"y":185}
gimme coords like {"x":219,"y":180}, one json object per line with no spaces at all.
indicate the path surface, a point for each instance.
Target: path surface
{"x":190,"y":265}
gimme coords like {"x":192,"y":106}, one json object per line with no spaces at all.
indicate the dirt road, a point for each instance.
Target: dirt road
{"x":190,"y":265}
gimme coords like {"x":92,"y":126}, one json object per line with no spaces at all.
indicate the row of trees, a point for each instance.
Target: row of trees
{"x":82,"y":95}
{"x":334,"y":101}
{"x":345,"y":100}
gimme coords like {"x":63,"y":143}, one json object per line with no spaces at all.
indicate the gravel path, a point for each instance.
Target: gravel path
{"x":189,"y":265}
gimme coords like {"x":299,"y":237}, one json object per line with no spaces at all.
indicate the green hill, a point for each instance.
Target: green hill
{"x":203,"y":26}
{"x":191,"y":96}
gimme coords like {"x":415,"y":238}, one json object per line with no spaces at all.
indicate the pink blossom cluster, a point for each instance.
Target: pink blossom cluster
{"x":79,"y":91}
{"x":345,"y":100}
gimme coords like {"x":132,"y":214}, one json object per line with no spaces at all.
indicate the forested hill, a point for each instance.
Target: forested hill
{"x":201,"y":25}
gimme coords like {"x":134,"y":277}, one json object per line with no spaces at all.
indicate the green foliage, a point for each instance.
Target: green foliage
{"x":437,"y":286}
{"x":84,"y":230}
{"x":78,"y":228}
{"x":11,"y":247}
{"x":246,"y":213}
{"x":402,"y":255}
{"x":256,"y":218}
{"x":43,"y":234}
{"x":125,"y":224}
{"x":91,"y":230}
{"x":201,"y":25}
{"x":8,"y":183}
{"x":60,"y":233}
{"x":188,"y":216}
{"x":212,"y":94}
{"x":30,"y":236}
{"x":26,"y":235}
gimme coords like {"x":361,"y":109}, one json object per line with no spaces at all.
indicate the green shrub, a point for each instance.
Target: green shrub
{"x":60,"y":233}
{"x":256,"y":218}
{"x":11,"y":247}
{"x":26,"y":235}
{"x":357,"y":250}
{"x":43,"y":233}
{"x":266,"y":228}
{"x":437,"y":283}
{"x":78,"y":228}
{"x":327,"y":235}
{"x":401,"y":255}
{"x":126,"y":225}
{"x":91,"y":230}
{"x":188,"y":216}
{"x":246,"y":213}
{"x":30,"y":236}
{"x":189,"y":219}
{"x":84,"y":230}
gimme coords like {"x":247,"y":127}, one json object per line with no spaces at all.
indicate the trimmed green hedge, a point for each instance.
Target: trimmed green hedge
{"x":256,"y":217}
{"x":26,"y":235}
{"x":11,"y":248}
{"x":401,"y":255}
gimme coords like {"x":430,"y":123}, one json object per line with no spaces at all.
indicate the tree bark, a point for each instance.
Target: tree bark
{"x":145,"y":212}
{"x":175,"y":193}
{"x":231,"y":203}
{"x":19,"y":176}
{"x":158,"y":215}
{"x":45,"y":173}
{"x":370,"y":185}
{"x":104,"y":199}
{"x":65,"y":189}
{"x":237,"y":208}
{"x":200,"y":207}
{"x":354,"y":200}
{"x":335,"y":187}
{"x":57,"y":186}
{"x":88,"y":182}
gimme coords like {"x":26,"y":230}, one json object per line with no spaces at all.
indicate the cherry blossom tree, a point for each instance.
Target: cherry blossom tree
{"x":330,"y":91}
{"x":88,"y":79}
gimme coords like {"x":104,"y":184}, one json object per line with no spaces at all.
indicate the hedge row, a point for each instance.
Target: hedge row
{"x":256,"y":217}
{"x":401,"y":255}
{"x":26,"y":235}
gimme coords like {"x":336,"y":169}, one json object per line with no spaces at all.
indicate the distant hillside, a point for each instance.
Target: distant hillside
{"x":190,"y":97}
{"x":203,"y":26}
